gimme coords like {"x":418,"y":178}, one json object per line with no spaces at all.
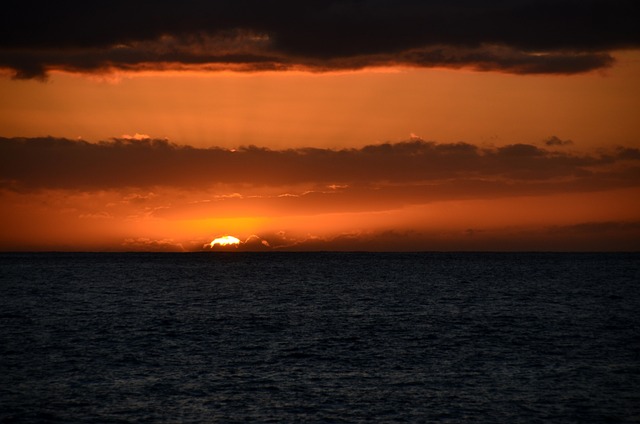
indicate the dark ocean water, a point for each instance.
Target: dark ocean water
{"x":320,"y":337}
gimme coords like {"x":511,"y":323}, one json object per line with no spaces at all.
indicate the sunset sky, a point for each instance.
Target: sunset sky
{"x":320,"y":125}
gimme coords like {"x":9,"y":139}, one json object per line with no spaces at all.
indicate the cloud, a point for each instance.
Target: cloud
{"x":628,"y":153}
{"x":410,"y":170}
{"x":555,"y":141}
{"x":255,"y":241}
{"x":144,"y":244}
{"x":584,"y":236}
{"x":596,"y":236}
{"x":519,"y":36}
{"x":387,"y":240}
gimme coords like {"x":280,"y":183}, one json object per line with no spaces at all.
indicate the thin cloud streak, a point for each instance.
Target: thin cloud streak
{"x":559,"y":37}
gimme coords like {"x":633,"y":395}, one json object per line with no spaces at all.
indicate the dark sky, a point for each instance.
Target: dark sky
{"x":516,"y":36}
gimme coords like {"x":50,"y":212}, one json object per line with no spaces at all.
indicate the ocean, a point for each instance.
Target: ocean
{"x":320,"y":337}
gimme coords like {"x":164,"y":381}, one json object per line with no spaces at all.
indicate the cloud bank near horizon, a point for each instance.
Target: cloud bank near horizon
{"x":522,"y":36}
{"x":410,"y":195}
{"x":584,"y":236}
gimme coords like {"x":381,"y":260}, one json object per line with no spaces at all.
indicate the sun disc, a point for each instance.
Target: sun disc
{"x":225,"y":241}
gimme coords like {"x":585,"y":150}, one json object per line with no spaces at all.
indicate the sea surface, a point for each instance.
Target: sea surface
{"x":320,"y":337}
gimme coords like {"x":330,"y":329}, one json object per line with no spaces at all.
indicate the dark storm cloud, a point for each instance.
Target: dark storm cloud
{"x":414,"y":167}
{"x":519,"y":36}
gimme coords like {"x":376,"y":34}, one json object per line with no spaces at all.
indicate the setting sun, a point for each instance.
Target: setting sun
{"x":225,"y":241}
